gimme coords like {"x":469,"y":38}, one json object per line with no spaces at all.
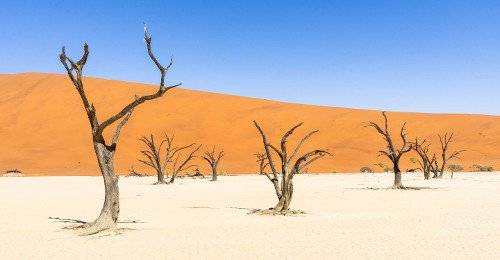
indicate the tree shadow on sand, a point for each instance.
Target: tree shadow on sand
{"x":77,"y":224}
{"x":77,"y":221}
{"x":390,"y":188}
{"x":270,"y":212}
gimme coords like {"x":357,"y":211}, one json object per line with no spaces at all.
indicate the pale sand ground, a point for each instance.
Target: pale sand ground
{"x":202,"y":219}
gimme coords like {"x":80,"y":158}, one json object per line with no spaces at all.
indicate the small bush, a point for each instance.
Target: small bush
{"x":455,"y":168}
{"x":366,"y":169}
{"x":481,"y":168}
{"x":384,"y":167}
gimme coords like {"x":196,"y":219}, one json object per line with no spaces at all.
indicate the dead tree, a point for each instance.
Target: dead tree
{"x":153,"y":155}
{"x":445,"y":142}
{"x":434,"y":167}
{"x":105,"y":151}
{"x":289,"y":167}
{"x":423,"y":150}
{"x":182,"y":165}
{"x":154,"y":158}
{"x":213,"y":161}
{"x":392,"y":153}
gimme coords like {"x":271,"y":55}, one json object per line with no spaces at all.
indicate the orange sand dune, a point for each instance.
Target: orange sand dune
{"x":44,"y":129}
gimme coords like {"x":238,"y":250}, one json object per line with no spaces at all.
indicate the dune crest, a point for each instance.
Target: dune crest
{"x":44,"y":130}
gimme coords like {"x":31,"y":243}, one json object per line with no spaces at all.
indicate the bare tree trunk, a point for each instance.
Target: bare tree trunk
{"x":397,"y":178}
{"x":161,"y":178}
{"x":286,"y":196}
{"x":111,"y":206}
{"x":426,"y":170}
{"x":172,"y":178}
{"x":214,"y":173}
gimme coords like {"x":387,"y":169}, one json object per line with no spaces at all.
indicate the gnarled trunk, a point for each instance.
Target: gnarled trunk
{"x":286,"y":195}
{"x":397,"y":178}
{"x":111,"y":206}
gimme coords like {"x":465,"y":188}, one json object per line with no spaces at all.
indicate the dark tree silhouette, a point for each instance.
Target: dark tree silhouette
{"x":391,"y":152}
{"x":289,"y":167}
{"x":422,"y":148}
{"x":154,"y":158}
{"x":445,"y":142}
{"x":182,"y":165}
{"x":213,"y":160}
{"x":153,"y":155}
{"x":105,"y":151}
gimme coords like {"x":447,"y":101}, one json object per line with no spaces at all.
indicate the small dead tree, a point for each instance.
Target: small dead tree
{"x":392,"y":153}
{"x":213,"y":160}
{"x":105,"y":151}
{"x":182,"y":165}
{"x":289,"y":167}
{"x":423,"y":150}
{"x":445,"y":142}
{"x":154,"y":158}
{"x":153,"y":155}
{"x":434,"y":166}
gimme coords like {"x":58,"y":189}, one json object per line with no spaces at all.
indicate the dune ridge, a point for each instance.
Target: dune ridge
{"x":44,"y":129}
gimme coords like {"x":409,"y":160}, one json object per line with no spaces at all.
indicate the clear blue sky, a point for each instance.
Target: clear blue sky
{"x":427,"y":56}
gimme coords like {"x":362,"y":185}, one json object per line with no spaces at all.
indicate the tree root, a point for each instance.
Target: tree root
{"x":401,"y":187}
{"x":272,"y":212}
{"x":397,"y":187}
{"x":93,"y":228}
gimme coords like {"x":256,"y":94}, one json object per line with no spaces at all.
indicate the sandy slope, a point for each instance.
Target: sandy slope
{"x":203,"y":219}
{"x":44,"y":130}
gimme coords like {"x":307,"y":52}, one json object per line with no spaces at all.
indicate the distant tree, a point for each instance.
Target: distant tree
{"x":481,"y":168}
{"x":155,"y":160}
{"x":105,"y":151}
{"x":182,"y":165}
{"x":213,"y":160}
{"x":391,"y":152}
{"x":454,"y":168}
{"x":423,"y":151}
{"x":445,"y":142}
{"x":366,"y":169}
{"x":153,"y":155}
{"x":289,"y":167}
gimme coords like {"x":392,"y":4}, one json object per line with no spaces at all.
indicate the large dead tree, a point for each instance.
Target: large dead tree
{"x":289,"y":166}
{"x":445,"y":142}
{"x":105,"y":151}
{"x":154,"y":158}
{"x":182,"y":165}
{"x":392,"y":153}
{"x":213,"y":160}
